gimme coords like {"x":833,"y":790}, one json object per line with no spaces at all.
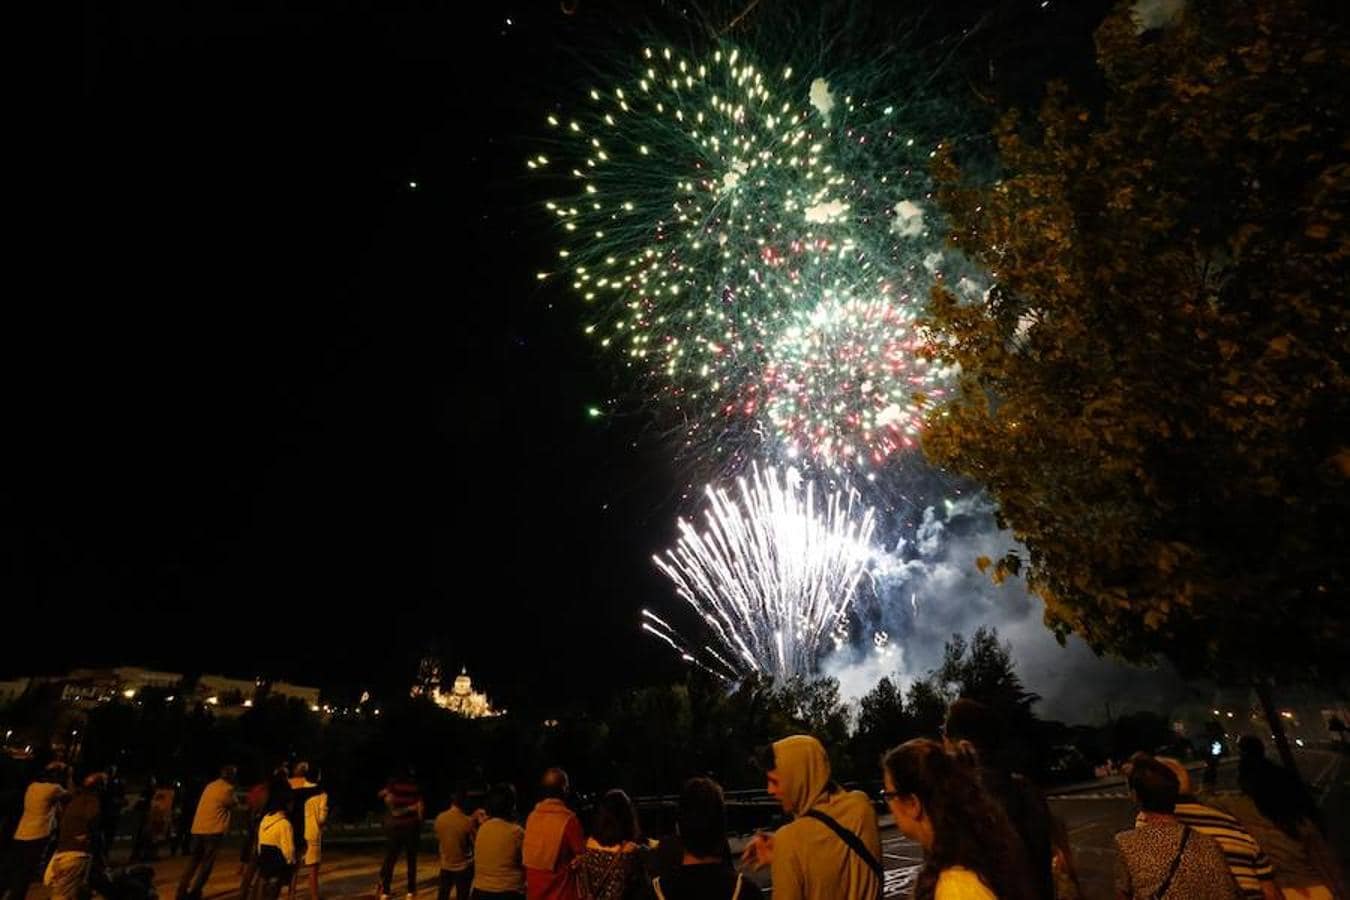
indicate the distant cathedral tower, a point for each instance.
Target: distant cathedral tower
{"x":461,"y":699}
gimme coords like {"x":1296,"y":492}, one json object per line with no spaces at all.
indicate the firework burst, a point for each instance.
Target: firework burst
{"x":707,"y":200}
{"x":773,"y":574}
{"x":846,"y":384}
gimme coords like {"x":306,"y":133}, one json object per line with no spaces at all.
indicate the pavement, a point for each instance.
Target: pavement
{"x":1093,"y":815}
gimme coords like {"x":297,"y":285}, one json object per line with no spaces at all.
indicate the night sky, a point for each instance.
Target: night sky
{"x":296,"y":417}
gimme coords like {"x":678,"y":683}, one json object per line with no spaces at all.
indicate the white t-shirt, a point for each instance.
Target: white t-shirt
{"x":39,"y":811}
{"x":275,"y":831}
{"x":316,"y":813}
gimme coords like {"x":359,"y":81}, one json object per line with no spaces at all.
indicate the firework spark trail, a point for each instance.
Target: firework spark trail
{"x":775,"y":571}
{"x":668,"y":634}
{"x":651,"y":629}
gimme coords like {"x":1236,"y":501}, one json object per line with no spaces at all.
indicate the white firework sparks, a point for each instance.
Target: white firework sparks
{"x":775,"y":571}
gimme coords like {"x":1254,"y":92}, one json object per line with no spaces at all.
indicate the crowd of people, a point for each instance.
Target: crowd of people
{"x":986,"y":833}
{"x":68,"y":823}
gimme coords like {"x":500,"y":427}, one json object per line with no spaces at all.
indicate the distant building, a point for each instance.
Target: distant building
{"x":461,"y":699}
{"x":140,"y":679}
{"x":226,"y":693}
{"x":231,"y":696}
{"x":308,"y":695}
{"x":91,"y":686}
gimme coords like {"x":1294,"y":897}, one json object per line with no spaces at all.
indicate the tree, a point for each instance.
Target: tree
{"x":1155,"y":388}
{"x":982,"y":669}
{"x":882,"y":723}
{"x":651,"y":738}
{"x":815,"y":707}
{"x":927,"y":707}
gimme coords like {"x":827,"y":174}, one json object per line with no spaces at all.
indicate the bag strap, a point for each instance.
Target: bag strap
{"x":854,"y":842}
{"x":1176,"y":864}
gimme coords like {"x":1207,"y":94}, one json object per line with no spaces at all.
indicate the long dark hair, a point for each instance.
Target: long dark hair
{"x":616,"y":820}
{"x":970,"y":828}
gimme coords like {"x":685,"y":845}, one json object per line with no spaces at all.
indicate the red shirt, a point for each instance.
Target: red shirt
{"x":557,"y":883}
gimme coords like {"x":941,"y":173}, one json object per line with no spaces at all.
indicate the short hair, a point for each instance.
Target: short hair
{"x":1128,"y":765}
{"x":229,"y":773}
{"x":500,"y":802}
{"x":972,"y":721}
{"x":92,"y":779}
{"x":702,"y":818}
{"x":460,"y":796}
{"x":1251,"y":747}
{"x":1184,"y":786}
{"x":553,"y":784}
{"x":300,"y":770}
{"x":1155,"y":785}
{"x":616,"y":820}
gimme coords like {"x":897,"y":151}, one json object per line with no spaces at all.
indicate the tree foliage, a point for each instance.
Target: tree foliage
{"x":1155,"y":389}
{"x":982,"y":669}
{"x":882,"y":723}
{"x":927,"y":707}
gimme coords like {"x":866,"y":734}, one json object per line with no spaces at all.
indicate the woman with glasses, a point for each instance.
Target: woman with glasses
{"x":971,"y":852}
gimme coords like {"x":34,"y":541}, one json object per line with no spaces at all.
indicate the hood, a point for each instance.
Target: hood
{"x":803,"y":769}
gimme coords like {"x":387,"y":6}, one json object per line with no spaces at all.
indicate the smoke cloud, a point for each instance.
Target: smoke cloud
{"x":926,"y":586}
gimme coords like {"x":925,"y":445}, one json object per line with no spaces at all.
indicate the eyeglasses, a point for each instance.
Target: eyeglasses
{"x":887,"y":796}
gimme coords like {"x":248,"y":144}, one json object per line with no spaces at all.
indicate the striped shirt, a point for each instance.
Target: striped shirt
{"x":402,"y":798}
{"x":1240,"y":850}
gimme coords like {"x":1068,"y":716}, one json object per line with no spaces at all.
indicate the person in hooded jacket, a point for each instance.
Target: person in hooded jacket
{"x":831,"y":850}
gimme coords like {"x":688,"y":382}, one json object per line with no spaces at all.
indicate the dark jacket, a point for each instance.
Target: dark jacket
{"x":1029,"y":815}
{"x":80,"y":824}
